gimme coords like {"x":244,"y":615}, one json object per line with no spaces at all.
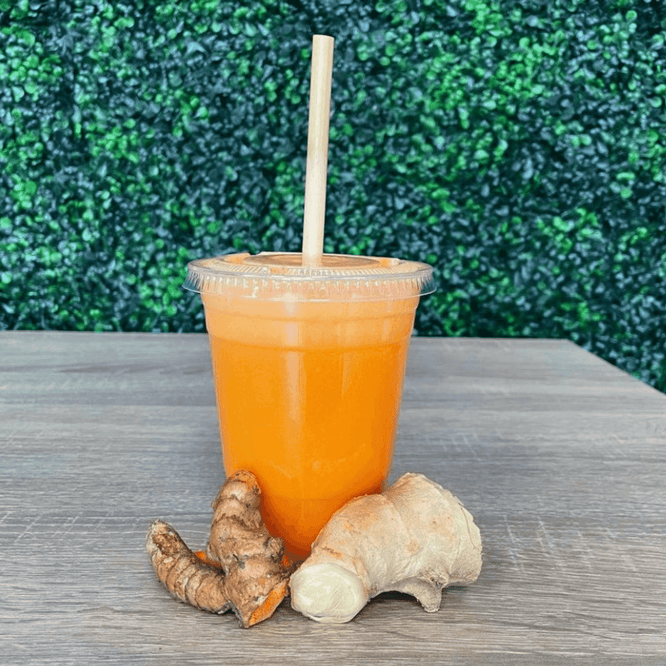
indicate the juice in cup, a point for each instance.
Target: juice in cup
{"x":308,"y":365}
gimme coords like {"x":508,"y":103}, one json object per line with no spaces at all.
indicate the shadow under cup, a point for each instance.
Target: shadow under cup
{"x":308,"y":366}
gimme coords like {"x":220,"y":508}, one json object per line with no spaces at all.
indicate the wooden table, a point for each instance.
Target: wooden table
{"x":560,"y":457}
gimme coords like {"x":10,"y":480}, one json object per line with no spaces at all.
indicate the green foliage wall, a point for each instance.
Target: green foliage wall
{"x":517,"y":146}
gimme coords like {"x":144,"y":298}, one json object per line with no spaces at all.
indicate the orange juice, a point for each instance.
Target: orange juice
{"x":313,"y":417}
{"x":308,"y":392}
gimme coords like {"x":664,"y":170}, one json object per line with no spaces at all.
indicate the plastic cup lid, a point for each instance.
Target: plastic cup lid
{"x":281,"y":276}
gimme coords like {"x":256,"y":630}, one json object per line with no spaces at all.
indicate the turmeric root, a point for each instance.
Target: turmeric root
{"x":243,"y":568}
{"x":415,"y":538}
{"x":185,"y":575}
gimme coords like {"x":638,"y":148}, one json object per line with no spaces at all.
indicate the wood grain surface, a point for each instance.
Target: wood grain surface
{"x":560,"y":457}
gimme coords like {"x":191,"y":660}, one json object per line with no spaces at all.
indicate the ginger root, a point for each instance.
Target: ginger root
{"x":243,"y":568}
{"x":415,"y":538}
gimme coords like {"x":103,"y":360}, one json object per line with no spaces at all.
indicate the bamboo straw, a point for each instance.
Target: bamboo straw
{"x":317,"y":160}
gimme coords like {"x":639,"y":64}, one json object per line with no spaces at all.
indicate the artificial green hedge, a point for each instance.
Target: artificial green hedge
{"x":517,"y":146}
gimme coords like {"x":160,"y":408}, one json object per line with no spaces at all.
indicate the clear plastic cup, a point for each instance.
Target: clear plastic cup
{"x":308,"y":365}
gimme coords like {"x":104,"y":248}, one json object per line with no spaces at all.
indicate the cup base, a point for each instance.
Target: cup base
{"x":299,"y":521}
